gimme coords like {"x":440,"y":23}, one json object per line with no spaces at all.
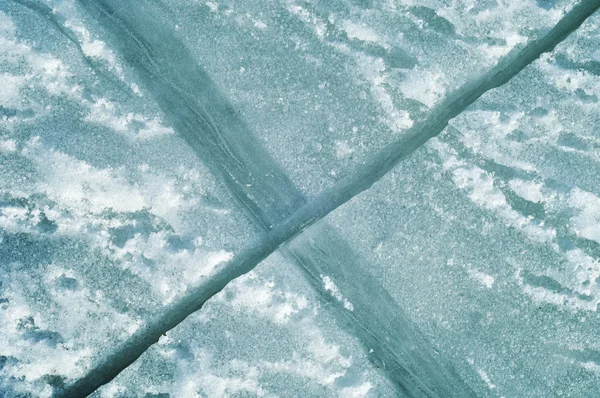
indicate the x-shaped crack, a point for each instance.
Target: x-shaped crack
{"x":212,"y":129}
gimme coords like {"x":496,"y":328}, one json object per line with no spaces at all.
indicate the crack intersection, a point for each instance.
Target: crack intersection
{"x":209,"y":125}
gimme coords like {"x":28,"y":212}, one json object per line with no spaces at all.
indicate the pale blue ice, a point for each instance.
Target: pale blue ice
{"x":147,"y":145}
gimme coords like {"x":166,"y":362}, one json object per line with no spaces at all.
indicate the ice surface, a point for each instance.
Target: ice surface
{"x":267,"y":334}
{"x":99,"y":228}
{"x":491,"y":232}
{"x":487,"y":239}
{"x":219,"y":137}
{"x":325,"y":84}
{"x":107,"y":216}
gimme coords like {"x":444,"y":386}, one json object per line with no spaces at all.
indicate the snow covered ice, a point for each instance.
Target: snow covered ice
{"x":145,"y":145}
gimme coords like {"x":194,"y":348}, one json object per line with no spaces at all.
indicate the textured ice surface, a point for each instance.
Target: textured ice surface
{"x":267,"y":334}
{"x":325,"y":84}
{"x":488,"y":237}
{"x":106,"y":216}
{"x":491,"y":232}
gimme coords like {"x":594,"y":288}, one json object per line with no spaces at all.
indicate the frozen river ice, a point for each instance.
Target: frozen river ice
{"x":146,"y":144}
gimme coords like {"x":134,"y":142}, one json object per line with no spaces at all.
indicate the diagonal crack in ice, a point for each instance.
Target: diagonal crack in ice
{"x":328,"y":201}
{"x":204,"y":118}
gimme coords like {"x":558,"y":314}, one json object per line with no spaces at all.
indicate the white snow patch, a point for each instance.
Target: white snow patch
{"x":260,"y":25}
{"x":133,"y":126}
{"x":265,"y":299}
{"x":528,"y":190}
{"x":425,"y":86}
{"x":335,"y":292}
{"x":482,"y":192}
{"x":214,"y":7}
{"x":587,"y":222}
{"x":481,"y":277}
{"x":95,"y":48}
{"x":343,"y":150}
{"x":8,"y":145}
{"x":81,"y":186}
{"x":361,"y":32}
{"x":361,"y":390}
